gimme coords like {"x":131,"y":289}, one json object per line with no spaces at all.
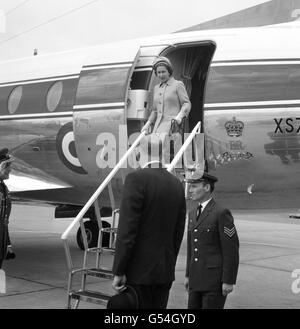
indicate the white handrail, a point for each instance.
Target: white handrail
{"x":183,"y":148}
{"x":103,"y":185}
{"x":118,"y":166}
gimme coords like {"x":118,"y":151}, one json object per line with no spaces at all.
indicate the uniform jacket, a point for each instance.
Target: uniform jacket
{"x":5,"y":208}
{"x":170,"y":99}
{"x":212,"y":249}
{"x":151,"y":227}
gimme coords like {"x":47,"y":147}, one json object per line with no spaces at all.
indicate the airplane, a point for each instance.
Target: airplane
{"x":243,"y":84}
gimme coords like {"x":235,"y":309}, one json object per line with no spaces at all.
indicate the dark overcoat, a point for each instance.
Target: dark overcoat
{"x":151,"y":227}
{"x":5,"y":208}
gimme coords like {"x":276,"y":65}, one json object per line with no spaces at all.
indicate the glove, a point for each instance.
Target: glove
{"x":178,"y":119}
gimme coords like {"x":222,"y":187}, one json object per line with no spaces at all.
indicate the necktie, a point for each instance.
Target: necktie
{"x":199,"y":211}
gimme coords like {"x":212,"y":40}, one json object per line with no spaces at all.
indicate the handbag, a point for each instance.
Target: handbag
{"x":177,"y":128}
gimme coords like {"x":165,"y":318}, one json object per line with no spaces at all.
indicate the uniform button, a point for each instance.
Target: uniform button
{"x":208,"y":230}
{"x":196,"y":231}
{"x":196,"y":249}
{"x":196,"y":259}
{"x":196,"y":240}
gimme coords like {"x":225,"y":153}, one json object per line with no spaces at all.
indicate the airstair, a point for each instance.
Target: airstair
{"x":98,"y":271}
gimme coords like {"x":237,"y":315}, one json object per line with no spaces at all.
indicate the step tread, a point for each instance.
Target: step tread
{"x":100,"y":272}
{"x":95,"y":295}
{"x":109,"y":230}
{"x":100,"y":269}
{"x":100,"y":250}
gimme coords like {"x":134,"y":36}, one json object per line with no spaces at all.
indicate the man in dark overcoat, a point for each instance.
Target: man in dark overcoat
{"x":5,"y":206}
{"x":212,"y":247}
{"x":150,"y":232}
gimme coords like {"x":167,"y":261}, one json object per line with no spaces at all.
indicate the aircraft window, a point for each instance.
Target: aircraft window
{"x":223,"y":80}
{"x":268,"y":83}
{"x":14,"y":99}
{"x":103,"y":86}
{"x":294,"y":82}
{"x":250,"y":83}
{"x":54,"y":96}
{"x":140,"y":80}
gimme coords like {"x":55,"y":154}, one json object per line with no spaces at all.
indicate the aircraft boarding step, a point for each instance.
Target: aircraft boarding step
{"x":84,"y":294}
{"x":89,"y":296}
{"x":97,"y":271}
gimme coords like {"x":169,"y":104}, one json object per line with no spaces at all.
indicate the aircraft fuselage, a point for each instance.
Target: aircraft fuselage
{"x":57,"y":112}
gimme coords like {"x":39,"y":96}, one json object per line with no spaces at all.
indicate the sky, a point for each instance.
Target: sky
{"x":58,"y":25}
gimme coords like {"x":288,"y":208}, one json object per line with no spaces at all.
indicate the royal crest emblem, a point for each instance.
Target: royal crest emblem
{"x":234,"y":128}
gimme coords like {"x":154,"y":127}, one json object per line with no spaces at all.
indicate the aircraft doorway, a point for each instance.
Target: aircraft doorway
{"x":191,"y":66}
{"x":190,"y":62}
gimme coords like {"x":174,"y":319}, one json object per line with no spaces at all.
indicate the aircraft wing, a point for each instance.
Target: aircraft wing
{"x":20,"y":183}
{"x":24,"y":177}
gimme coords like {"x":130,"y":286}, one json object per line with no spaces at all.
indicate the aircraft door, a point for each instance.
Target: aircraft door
{"x":100,"y":129}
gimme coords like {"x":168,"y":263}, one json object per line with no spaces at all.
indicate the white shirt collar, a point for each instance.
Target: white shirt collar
{"x":204,"y":204}
{"x":148,"y":163}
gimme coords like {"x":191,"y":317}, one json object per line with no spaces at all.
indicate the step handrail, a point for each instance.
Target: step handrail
{"x":118,"y":166}
{"x":103,"y":185}
{"x":107,"y":180}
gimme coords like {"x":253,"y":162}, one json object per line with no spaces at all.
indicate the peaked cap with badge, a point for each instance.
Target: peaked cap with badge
{"x":199,"y":176}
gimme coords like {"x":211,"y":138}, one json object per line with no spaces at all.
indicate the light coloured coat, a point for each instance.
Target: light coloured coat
{"x":170,"y":101}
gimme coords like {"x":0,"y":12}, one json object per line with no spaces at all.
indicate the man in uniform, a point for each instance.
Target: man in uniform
{"x":150,"y":232}
{"x":212,"y":247}
{"x":5,"y":207}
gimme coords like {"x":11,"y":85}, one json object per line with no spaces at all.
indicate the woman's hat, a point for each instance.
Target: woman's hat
{"x":161,"y":60}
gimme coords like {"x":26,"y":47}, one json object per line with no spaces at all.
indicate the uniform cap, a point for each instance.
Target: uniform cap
{"x":198,"y":176}
{"x":4,"y":155}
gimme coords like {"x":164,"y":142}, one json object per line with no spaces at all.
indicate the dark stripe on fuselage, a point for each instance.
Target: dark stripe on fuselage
{"x":251,"y":107}
{"x":250,"y":82}
{"x":34,"y":98}
{"x":257,"y":60}
{"x":98,"y":108}
{"x":106,"y":64}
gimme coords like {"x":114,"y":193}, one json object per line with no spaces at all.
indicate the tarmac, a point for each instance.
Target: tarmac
{"x":269,"y":254}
